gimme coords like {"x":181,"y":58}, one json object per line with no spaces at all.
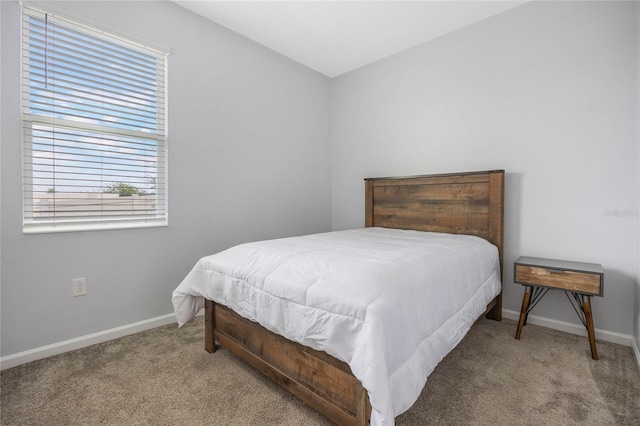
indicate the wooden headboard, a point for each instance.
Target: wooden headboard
{"x":456,"y":203}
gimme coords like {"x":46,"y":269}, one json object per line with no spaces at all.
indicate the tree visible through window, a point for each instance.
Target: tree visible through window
{"x":94,"y":128}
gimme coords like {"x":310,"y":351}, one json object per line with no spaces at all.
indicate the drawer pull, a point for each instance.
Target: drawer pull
{"x":555,"y":271}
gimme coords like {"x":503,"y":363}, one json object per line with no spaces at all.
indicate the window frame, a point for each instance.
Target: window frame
{"x":98,"y":218}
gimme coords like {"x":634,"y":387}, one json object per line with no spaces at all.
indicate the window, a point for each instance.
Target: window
{"x":94,"y":128}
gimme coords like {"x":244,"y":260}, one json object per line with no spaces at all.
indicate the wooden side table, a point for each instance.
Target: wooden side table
{"x":581,"y":280}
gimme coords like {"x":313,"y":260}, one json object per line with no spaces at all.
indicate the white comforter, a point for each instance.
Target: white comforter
{"x":390,"y":303}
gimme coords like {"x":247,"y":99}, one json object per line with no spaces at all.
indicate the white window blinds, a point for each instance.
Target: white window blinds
{"x":94,"y":128}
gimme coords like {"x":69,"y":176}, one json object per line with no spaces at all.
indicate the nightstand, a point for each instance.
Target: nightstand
{"x":581,"y":280}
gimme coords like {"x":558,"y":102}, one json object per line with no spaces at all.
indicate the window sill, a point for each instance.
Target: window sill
{"x":62,"y":227}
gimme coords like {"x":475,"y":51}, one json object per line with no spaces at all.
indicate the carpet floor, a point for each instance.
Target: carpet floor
{"x":164,"y":377}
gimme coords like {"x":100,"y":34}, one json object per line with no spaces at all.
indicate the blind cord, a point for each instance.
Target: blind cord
{"x":46,"y":50}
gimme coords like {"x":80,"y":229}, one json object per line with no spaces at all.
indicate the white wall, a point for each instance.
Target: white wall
{"x":546,"y":91}
{"x":249,"y":158}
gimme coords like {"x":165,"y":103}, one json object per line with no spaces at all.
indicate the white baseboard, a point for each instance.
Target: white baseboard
{"x":567,"y":327}
{"x":20,"y":358}
{"x":14,"y":360}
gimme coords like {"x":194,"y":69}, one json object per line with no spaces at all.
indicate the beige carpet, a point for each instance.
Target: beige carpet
{"x":164,"y":377}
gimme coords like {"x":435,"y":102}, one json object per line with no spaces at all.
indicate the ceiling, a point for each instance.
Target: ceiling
{"x":335,"y":37}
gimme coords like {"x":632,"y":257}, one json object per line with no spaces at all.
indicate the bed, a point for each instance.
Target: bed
{"x":342,"y":383}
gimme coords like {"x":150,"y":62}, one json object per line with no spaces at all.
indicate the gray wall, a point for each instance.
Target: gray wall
{"x":546,"y":91}
{"x":249,"y":158}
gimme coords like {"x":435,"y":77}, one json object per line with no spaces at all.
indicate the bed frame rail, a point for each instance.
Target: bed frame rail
{"x":318,"y":379}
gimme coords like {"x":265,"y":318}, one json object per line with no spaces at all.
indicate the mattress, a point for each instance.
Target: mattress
{"x":390,"y":303}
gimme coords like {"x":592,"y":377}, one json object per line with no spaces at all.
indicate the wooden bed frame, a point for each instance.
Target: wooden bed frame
{"x":460,"y":203}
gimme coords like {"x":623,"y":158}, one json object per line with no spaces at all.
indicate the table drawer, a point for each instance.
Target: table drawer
{"x":581,"y":282}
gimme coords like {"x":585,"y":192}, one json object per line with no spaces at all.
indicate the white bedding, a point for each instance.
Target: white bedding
{"x":390,"y":303}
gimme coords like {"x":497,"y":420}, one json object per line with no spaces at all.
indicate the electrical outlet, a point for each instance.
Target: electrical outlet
{"x":79,"y":287}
